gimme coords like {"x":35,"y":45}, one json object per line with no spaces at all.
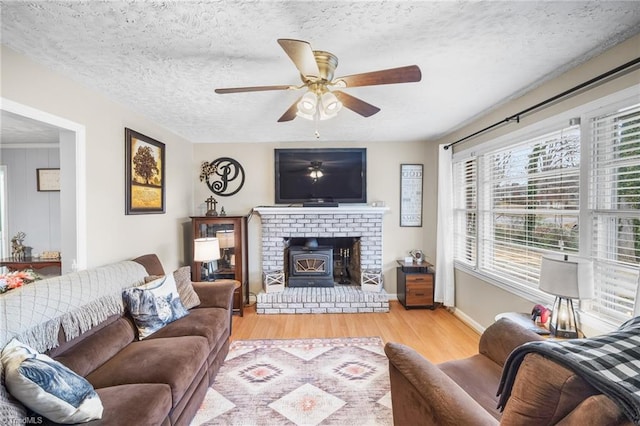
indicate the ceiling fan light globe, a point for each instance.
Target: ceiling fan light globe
{"x":308,"y":104}
{"x":304,"y":115}
{"x":330,"y":106}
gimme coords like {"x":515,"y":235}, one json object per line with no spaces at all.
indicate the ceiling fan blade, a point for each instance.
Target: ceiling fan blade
{"x":302,"y":56}
{"x":408,"y":74}
{"x":253,"y":89}
{"x":355,"y":104}
{"x":290,"y":114}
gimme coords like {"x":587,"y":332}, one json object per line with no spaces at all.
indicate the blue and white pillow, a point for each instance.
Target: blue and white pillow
{"x":48,"y":387}
{"x":154,"y":305}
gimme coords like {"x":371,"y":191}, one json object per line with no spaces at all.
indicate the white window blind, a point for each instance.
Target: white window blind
{"x":529,"y":204}
{"x":614,"y":200}
{"x":464,"y":210}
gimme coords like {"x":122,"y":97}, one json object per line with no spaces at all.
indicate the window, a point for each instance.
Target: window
{"x":464,"y":211}
{"x":520,"y":200}
{"x":529,"y":204}
{"x":614,"y":199}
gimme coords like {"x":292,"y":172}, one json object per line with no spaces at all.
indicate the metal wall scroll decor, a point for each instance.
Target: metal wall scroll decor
{"x":223,"y":176}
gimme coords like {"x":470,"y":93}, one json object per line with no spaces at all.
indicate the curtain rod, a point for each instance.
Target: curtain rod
{"x":628,"y":67}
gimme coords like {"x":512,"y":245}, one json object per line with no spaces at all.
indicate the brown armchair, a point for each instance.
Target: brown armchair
{"x":462,"y":392}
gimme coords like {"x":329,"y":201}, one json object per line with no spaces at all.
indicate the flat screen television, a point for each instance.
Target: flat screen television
{"x":321,"y":176}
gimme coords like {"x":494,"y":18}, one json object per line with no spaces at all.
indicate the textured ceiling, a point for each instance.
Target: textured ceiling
{"x":17,"y":130}
{"x":164,"y":59}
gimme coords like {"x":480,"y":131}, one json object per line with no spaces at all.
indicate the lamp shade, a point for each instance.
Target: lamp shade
{"x":206,"y":249}
{"x":568,"y":277}
{"x":226,"y":239}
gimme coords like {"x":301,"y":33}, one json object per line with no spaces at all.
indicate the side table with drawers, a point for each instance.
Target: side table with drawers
{"x":415,"y":284}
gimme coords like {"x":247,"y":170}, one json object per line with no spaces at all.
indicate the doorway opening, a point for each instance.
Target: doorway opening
{"x":72,"y":142}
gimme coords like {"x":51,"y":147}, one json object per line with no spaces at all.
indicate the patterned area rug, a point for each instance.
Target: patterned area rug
{"x":342,"y":381}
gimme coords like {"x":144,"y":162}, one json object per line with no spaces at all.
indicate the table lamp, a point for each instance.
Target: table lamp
{"x":207,"y":250}
{"x":227,"y":240}
{"x":567,"y":278}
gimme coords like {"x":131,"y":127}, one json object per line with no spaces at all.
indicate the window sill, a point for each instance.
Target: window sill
{"x":591,"y":324}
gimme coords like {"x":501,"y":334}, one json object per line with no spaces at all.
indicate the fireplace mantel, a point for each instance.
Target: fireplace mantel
{"x":343,"y":209}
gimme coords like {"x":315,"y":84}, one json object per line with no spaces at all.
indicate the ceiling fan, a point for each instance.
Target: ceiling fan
{"x":321,"y":99}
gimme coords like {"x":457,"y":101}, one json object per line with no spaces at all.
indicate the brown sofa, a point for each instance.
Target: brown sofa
{"x":463,"y":392}
{"x":162,"y":379}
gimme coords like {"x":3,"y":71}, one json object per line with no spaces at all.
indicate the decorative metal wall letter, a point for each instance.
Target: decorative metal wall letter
{"x":411,"y":194}
{"x":223,"y":176}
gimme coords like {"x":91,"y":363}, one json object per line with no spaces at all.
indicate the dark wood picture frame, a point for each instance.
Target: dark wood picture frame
{"x":145,"y":180}
{"x":411,"y":188}
{"x":48,"y":179}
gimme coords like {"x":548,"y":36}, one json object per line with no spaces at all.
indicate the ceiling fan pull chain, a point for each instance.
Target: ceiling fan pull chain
{"x":316,"y":119}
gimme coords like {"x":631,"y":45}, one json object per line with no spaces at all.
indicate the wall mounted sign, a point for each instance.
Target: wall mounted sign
{"x":223,"y":176}
{"x":411,"y":194}
{"x":144,"y":174}
{"x":48,"y":179}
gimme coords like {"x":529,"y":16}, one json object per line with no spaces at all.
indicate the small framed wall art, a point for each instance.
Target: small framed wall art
{"x":411,"y":194}
{"x":48,"y":179}
{"x":144,"y":174}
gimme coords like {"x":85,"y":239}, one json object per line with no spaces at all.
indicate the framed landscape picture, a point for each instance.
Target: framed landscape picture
{"x":145,"y":179}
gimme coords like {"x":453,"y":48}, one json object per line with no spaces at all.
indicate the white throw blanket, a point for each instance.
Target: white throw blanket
{"x":76,"y":302}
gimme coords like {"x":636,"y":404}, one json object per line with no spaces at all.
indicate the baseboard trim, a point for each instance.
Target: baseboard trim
{"x":467,"y":320}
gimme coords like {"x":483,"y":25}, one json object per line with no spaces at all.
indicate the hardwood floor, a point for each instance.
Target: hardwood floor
{"x":437,"y":334}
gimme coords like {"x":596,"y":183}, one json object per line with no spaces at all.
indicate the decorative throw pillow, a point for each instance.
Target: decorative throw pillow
{"x":12,"y":411}
{"x":187,"y":294}
{"x":154,"y":305}
{"x":48,"y":387}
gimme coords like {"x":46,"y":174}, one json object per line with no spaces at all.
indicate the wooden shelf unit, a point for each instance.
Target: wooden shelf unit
{"x":233,"y":263}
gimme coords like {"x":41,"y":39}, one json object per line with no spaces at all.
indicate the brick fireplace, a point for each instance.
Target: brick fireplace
{"x":281,"y":224}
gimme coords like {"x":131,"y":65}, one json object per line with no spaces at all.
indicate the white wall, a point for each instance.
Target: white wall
{"x":111,"y":235}
{"x":475,"y":297}
{"x":35,"y":213}
{"x":383,"y":183}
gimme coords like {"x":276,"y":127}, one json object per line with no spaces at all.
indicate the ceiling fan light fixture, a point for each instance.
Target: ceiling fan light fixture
{"x":330,"y":105}
{"x":307,"y":105}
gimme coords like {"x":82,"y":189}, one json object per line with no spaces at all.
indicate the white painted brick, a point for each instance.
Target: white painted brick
{"x":311,"y":305}
{"x":334,"y":310}
{"x":365,"y":310}
{"x":287,"y":311}
{"x":272,"y":311}
{"x":303,"y":311}
{"x":319,"y":310}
